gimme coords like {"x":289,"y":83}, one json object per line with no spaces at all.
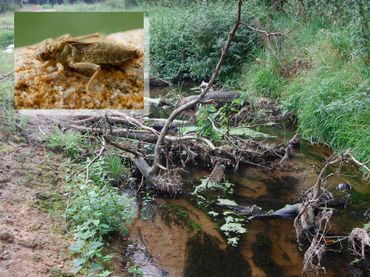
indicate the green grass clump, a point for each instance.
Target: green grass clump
{"x":186,"y":42}
{"x":6,"y":38}
{"x":264,"y":79}
{"x":69,"y":141}
{"x":331,"y":100}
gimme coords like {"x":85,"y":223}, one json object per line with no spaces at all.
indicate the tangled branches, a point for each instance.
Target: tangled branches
{"x":315,"y":228}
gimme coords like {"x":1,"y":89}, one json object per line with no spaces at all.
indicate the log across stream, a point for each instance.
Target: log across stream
{"x":183,"y":237}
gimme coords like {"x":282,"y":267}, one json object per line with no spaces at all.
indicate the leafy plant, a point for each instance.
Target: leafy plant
{"x":205,"y":122}
{"x":96,"y":210}
{"x":183,"y":48}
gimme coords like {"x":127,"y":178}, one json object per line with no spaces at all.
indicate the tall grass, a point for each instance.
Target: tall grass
{"x":321,"y":74}
{"x":7,"y":120}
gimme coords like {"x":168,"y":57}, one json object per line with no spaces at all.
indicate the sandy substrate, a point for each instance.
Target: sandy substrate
{"x":55,"y":87}
{"x":32,"y":243}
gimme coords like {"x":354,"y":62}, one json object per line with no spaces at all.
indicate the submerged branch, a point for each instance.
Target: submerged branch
{"x":177,"y":111}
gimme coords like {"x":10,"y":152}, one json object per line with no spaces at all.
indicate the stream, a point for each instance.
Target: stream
{"x":182,"y":236}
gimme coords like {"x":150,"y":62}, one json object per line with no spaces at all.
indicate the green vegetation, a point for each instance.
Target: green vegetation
{"x":8,"y":122}
{"x":185,"y":42}
{"x":135,"y":271}
{"x":95,"y":211}
{"x":69,"y":141}
{"x":320,"y":72}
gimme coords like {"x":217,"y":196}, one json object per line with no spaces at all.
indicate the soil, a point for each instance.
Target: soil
{"x":32,"y":242}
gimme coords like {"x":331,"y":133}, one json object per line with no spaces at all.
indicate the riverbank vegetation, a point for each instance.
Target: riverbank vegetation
{"x":315,"y":65}
{"x":300,"y":61}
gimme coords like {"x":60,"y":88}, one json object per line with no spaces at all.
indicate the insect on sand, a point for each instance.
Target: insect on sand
{"x":83,"y":55}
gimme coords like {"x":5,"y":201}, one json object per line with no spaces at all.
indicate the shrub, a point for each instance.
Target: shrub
{"x":186,"y":43}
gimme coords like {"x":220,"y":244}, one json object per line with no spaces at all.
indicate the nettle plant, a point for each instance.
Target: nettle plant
{"x":96,"y":211}
{"x":214,"y":123}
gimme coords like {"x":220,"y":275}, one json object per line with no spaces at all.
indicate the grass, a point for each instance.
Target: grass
{"x":69,"y":141}
{"x":319,"y":74}
{"x":7,"y":119}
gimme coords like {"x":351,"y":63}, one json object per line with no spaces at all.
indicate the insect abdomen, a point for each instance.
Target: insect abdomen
{"x":107,"y":53}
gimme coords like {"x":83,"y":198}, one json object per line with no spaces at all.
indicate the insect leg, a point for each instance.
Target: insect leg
{"x":84,"y":66}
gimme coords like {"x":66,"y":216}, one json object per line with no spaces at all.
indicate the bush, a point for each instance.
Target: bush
{"x":185,"y":43}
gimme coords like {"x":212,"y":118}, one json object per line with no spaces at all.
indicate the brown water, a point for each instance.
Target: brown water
{"x":184,"y":240}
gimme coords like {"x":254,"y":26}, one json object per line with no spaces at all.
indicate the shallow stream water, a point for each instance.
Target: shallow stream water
{"x":184,"y":239}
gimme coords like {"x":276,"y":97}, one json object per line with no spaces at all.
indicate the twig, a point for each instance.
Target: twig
{"x":177,"y":111}
{"x":268,"y":34}
{"x":6,"y":75}
{"x":103,"y":142}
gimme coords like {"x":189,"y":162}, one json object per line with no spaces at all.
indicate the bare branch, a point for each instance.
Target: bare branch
{"x":268,"y":34}
{"x":177,"y":111}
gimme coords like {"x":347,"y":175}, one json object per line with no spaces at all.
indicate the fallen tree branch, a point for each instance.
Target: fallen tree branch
{"x":177,"y":111}
{"x":268,"y":34}
{"x":212,"y":97}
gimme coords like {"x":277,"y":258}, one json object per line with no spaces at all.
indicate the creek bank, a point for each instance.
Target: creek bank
{"x":255,"y":185}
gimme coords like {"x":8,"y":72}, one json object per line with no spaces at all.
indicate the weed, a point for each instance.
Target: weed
{"x":95,"y":212}
{"x":69,"y":141}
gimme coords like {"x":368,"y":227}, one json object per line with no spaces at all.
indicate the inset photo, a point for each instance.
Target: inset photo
{"x":79,"y":60}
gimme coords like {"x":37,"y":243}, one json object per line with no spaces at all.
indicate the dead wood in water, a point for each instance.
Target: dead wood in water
{"x":315,"y":228}
{"x":176,"y":150}
{"x":222,"y":96}
{"x":133,"y":135}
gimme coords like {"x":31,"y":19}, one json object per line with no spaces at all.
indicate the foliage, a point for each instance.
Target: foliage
{"x":7,"y":117}
{"x":69,"y":141}
{"x":7,"y":5}
{"x":319,"y":72}
{"x":185,"y":42}
{"x":136,"y":271}
{"x":109,"y":169}
{"x":264,"y":78}
{"x":96,"y":210}
{"x":347,"y":14}
{"x":205,"y":121}
{"x":6,"y":38}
